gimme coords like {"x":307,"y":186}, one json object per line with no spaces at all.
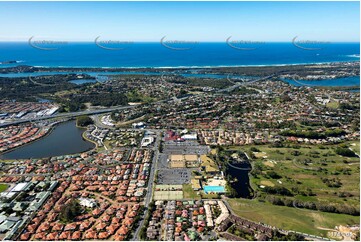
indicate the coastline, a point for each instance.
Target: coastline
{"x":248,"y":70}
{"x":122,"y":68}
{"x":204,"y":66}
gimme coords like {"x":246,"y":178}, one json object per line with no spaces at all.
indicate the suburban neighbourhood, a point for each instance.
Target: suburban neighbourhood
{"x":180,"y":158}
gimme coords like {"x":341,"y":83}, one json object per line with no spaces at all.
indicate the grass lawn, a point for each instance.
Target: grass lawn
{"x":108,"y":143}
{"x":210,"y":196}
{"x":188,"y":192}
{"x":303,"y":168}
{"x":3,"y":187}
{"x":8,"y":160}
{"x":306,"y":221}
{"x":333,"y":105}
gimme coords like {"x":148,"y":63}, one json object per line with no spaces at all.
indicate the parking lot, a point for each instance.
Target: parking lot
{"x":162,"y":161}
{"x":186,"y":147}
{"x":177,"y":176}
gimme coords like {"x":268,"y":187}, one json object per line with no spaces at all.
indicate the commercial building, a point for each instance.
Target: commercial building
{"x":181,"y":161}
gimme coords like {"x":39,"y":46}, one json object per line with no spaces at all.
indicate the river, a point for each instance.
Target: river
{"x":338,"y":82}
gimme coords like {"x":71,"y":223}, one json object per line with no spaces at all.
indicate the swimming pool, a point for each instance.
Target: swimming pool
{"x":215,"y":189}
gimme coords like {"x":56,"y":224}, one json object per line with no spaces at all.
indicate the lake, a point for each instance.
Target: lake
{"x":240,"y":172}
{"x":65,"y":139}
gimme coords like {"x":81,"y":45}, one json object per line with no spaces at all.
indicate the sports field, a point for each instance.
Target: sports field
{"x":168,"y":192}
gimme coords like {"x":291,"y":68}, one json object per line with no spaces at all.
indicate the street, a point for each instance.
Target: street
{"x":151,"y":180}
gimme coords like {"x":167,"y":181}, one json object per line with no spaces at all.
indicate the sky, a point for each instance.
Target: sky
{"x":185,"y":21}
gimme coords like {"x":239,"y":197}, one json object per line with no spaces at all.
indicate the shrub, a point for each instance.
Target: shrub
{"x":345,"y":152}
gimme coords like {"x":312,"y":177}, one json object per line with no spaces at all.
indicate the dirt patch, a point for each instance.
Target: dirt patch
{"x":267,"y":183}
{"x":269,"y":164}
{"x":303,"y":176}
{"x":260,"y":154}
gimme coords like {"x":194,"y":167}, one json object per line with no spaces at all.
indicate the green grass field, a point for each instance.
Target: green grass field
{"x":210,"y":196}
{"x":294,"y":172}
{"x":333,"y":105}
{"x":302,"y":168}
{"x":302,"y":220}
{"x":188,"y":192}
{"x":3,"y":187}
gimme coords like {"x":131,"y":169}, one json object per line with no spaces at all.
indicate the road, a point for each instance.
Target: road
{"x":99,"y":123}
{"x":115,"y":108}
{"x":154,"y":168}
{"x":148,"y":196}
{"x":79,"y":113}
{"x":238,"y":84}
{"x":70,"y":115}
{"x":100,"y":140}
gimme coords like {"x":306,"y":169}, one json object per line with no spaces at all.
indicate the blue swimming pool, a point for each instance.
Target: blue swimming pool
{"x":215,"y":189}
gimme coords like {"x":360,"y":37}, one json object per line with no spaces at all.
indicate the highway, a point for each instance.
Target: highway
{"x":238,"y":84}
{"x":115,"y":108}
{"x":78,"y":113}
{"x":69,"y":115}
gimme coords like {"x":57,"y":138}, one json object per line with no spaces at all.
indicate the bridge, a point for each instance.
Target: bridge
{"x":69,"y":115}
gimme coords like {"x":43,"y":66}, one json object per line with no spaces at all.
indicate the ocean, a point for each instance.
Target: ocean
{"x":158,"y":55}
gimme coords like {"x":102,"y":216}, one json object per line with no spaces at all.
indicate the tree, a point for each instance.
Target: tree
{"x":273,"y":175}
{"x":231,"y":192}
{"x":345,"y":152}
{"x":84,"y":121}
{"x":69,"y":211}
{"x":182,"y":93}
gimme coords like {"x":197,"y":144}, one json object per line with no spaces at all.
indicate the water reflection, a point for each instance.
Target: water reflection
{"x":65,"y":139}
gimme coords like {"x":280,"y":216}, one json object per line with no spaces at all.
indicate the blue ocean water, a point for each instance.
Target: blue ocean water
{"x":157,"y":55}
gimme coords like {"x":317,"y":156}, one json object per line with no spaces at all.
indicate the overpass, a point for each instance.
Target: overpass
{"x":69,"y":115}
{"x":115,"y":108}
{"x":238,"y":84}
